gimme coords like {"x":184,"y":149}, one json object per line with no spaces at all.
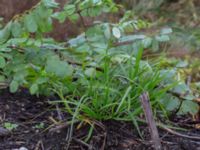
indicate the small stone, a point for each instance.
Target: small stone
{"x":4,"y":132}
{"x":23,"y":148}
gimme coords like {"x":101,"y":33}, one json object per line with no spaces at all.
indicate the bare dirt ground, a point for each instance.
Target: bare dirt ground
{"x":28,"y":112}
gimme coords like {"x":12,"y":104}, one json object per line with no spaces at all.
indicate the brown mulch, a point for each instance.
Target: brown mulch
{"x":29,"y":111}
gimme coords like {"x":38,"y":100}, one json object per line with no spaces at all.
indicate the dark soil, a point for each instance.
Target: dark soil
{"x":29,"y":111}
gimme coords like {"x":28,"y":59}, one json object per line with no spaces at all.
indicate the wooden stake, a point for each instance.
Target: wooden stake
{"x":150,"y":120}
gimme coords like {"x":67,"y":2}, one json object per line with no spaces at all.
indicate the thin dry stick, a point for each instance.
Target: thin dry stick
{"x":59,"y":127}
{"x":162,"y":126}
{"x":150,"y":120}
{"x":39,"y":145}
{"x":59,"y":113}
{"x":83,"y":143}
{"x":180,"y":134}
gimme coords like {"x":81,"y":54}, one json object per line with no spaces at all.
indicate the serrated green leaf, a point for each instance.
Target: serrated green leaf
{"x":189,"y":97}
{"x":78,"y":40}
{"x":166,"y":31}
{"x":50,"y":3}
{"x":132,"y":38}
{"x":16,"y":29}
{"x":5,"y":33}
{"x":42,"y":80}
{"x":155,"y":45}
{"x":14,"y":86}
{"x":2,"y":62}
{"x":107,"y":32}
{"x":30,"y":23}
{"x":116,"y":32}
{"x":170,"y":102}
{"x":69,"y":9}
{"x":197,"y":84}
{"x":162,"y":38}
{"x":58,"y":67}
{"x":10,"y":126}
{"x":2,"y":78}
{"x":34,"y":89}
{"x":96,"y":1}
{"x":181,"y":88}
{"x":93,"y":12}
{"x":61,"y":16}
{"x":147,"y":42}
{"x":17,"y":41}
{"x":189,"y":107}
{"x":73,"y":17}
{"x":90,"y":72}
{"x":182,"y":64}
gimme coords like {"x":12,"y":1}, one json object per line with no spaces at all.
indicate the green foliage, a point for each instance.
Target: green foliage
{"x":59,"y":68}
{"x":181,"y":93}
{"x":39,"y":126}
{"x":76,"y":9}
{"x":100,"y":73}
{"x":114,"y":94}
{"x":10,"y":126}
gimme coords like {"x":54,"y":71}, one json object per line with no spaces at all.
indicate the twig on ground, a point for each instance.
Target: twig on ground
{"x":39,"y":145}
{"x":59,"y":127}
{"x":162,"y":126}
{"x":59,"y":113}
{"x":180,"y":134}
{"x":104,"y":142}
{"x":150,"y":120}
{"x":90,"y":147}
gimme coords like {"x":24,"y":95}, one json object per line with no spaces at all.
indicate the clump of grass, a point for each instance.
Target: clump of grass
{"x":114,"y":92}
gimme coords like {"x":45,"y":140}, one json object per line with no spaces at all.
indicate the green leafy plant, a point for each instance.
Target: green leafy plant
{"x":39,"y":126}
{"x":97,"y":75}
{"x":10,"y":126}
